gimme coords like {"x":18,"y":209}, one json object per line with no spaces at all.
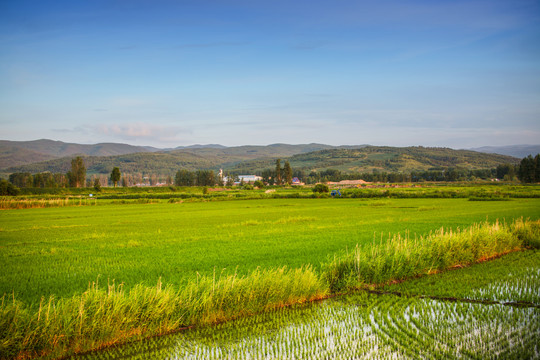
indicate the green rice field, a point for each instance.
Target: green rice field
{"x":77,"y":278}
{"x":384,"y":326}
{"x":59,"y":251}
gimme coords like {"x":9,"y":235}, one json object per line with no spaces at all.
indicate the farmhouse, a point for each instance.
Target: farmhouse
{"x":296,"y":181}
{"x":348,"y":183}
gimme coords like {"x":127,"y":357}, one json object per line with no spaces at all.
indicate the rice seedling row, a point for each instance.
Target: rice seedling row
{"x":361,"y":326}
{"x":514,"y":279}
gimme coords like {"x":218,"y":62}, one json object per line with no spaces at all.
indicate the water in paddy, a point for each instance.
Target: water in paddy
{"x":359,"y":326}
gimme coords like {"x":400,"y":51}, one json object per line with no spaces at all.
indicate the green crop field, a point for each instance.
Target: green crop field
{"x":82,"y":273}
{"x":58,"y":251}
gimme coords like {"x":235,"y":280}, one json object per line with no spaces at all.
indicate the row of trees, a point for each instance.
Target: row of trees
{"x":449,"y":175}
{"x":76,"y":177}
{"x":193,"y":178}
{"x":529,"y":169}
{"x":283,"y":176}
{"x":42,"y":180}
{"x":279,"y":176}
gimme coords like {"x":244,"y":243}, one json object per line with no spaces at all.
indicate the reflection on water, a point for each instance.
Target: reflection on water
{"x":360,"y":326}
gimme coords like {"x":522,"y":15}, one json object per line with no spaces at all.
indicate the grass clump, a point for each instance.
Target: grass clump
{"x":401,"y":258}
{"x":528,"y":233}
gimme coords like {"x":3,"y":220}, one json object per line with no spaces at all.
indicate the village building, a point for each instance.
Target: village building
{"x":241,"y":178}
{"x":348,"y":183}
{"x":297,"y":182}
{"x":249,"y":178}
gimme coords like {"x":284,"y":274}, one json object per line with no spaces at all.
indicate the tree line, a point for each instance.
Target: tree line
{"x":527,"y":171}
{"x":277,"y":176}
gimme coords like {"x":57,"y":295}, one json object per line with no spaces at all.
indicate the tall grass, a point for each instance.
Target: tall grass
{"x":401,"y":258}
{"x":7,"y":203}
{"x":105,"y":316}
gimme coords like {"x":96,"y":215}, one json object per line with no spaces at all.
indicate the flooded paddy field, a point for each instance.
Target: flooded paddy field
{"x":365,"y":325}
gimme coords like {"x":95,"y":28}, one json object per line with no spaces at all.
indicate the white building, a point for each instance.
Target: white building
{"x":249,"y":178}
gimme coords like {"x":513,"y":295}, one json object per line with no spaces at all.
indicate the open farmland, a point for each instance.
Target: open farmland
{"x":59,"y":251}
{"x":78,"y":278}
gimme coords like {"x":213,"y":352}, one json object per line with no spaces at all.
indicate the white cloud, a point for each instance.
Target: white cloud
{"x":142,"y":131}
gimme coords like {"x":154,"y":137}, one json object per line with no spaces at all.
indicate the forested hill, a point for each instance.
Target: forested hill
{"x":255,"y":159}
{"x":16,"y":153}
{"x":384,"y":158}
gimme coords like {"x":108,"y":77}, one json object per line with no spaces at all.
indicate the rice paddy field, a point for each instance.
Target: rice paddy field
{"x":52,"y":255}
{"x":501,"y":324}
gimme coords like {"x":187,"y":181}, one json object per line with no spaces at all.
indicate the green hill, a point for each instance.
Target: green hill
{"x":255,"y":159}
{"x":15,"y":153}
{"x":14,"y":156}
{"x":158,"y":163}
{"x":383,"y":158}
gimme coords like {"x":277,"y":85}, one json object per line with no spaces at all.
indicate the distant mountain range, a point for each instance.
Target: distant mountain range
{"x":519,"y":151}
{"x":55,"y":156}
{"x":15,"y":153}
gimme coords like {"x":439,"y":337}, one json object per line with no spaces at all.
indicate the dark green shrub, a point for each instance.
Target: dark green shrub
{"x":7,"y":188}
{"x":320,"y":188}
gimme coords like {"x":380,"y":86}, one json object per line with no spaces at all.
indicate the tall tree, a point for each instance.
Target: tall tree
{"x":115,"y":175}
{"x":278,"y":172}
{"x":287,"y":172}
{"x":205,"y":178}
{"x":537,"y":168}
{"x":527,"y":169}
{"x":184,"y":178}
{"x":503,"y":170}
{"x":77,"y":175}
{"x":97,"y":185}
{"x":21,"y":180}
{"x":7,"y":188}
{"x":266,"y":176}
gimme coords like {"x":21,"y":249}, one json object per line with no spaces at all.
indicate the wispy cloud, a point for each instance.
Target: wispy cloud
{"x":76,"y":130}
{"x":136,"y":132}
{"x":139,"y":130}
{"x":211,"y":44}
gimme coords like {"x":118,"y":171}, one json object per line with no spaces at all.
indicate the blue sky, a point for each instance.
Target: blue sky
{"x":168,"y":73}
